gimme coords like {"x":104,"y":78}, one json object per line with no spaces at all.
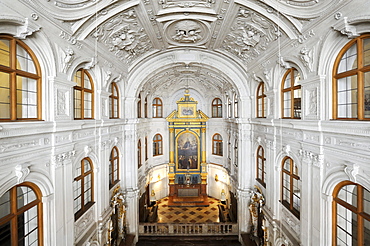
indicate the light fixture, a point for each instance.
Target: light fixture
{"x":216,"y":178}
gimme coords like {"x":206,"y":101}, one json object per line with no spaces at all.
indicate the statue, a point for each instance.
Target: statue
{"x":255,"y":208}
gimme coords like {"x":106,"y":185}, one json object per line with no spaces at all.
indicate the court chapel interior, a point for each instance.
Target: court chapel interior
{"x":184,"y":123}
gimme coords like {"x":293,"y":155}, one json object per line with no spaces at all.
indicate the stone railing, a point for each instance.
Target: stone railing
{"x":163,"y":229}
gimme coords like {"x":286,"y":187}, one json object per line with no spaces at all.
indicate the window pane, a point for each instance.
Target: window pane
{"x":76,"y":188}
{"x":26,"y":97}
{"x":348,"y":194}
{"x":77,"y":104}
{"x":347,"y":97}
{"x":4,"y":95}
{"x":88,"y":105}
{"x":5,"y":234}
{"x":366,"y":51}
{"x":296,"y":194}
{"x":287,"y":104}
{"x":287,"y":82}
{"x":87,"y":83}
{"x":86,"y":166}
{"x":367,"y":232}
{"x":366,"y":202}
{"x":367,"y":94}
{"x":24,"y":61}
{"x":27,"y":227}
{"x":25,"y":195}
{"x":344,"y":226}
{"x":4,"y":52}
{"x":348,"y":60}
{"x":4,"y":205}
{"x":297,"y":77}
{"x":78,"y":78}
{"x":286,"y":165}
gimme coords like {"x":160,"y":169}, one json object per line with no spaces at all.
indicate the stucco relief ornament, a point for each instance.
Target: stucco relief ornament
{"x":67,"y":60}
{"x":306,"y":57}
{"x":22,"y":171}
{"x":187,"y":31}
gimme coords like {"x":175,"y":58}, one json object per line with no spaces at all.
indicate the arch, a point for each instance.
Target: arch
{"x":21,"y":77}
{"x":83,"y":96}
{"x":157,"y":145}
{"x":114,"y":101}
{"x":157,"y":108}
{"x":114,"y":164}
{"x":24,"y":203}
{"x":217,"y":144}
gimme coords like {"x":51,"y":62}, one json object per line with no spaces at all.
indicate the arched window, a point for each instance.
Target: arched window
{"x":351,"y":214}
{"x":21,"y":216}
{"x":146,"y":107}
{"x":113,"y":101}
{"x":157,"y":108}
{"x":139,"y":161}
{"x":20,"y":81}
{"x":217,"y":144}
{"x":157,"y":145}
{"x":113,"y":167}
{"x":236,"y":107}
{"x":83,"y":187}
{"x":229,"y":108}
{"x":217,"y":108}
{"x":291,"y":95}
{"x":83,"y":95}
{"x":139,"y":107}
{"x":261,"y":101}
{"x":291,"y":186}
{"x":146,"y":148}
{"x":261,"y":171}
{"x":351,"y":80}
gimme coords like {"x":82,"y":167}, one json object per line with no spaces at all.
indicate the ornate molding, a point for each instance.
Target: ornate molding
{"x":84,"y":223}
{"x":250,"y":35}
{"x":186,"y":4}
{"x":17,"y":26}
{"x":346,"y":29}
{"x":22,"y":171}
{"x":60,"y":159}
{"x":314,"y":159}
{"x":291,"y":221}
{"x":352,"y":170}
{"x":124,"y":36}
{"x":187,"y":32}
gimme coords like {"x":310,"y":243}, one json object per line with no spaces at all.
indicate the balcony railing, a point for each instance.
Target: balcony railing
{"x":163,"y":229}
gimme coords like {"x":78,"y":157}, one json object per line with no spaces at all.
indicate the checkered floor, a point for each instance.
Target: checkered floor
{"x":168,"y":214}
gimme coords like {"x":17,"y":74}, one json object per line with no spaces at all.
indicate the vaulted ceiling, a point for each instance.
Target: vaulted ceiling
{"x":131,"y":31}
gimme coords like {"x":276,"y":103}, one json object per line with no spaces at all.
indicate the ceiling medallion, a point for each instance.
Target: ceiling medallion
{"x":187,"y":32}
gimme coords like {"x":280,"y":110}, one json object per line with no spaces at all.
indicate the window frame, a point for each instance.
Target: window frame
{"x":114,"y":156}
{"x":139,"y":154}
{"x":261,"y":96}
{"x":261,"y":161}
{"x":290,"y":173}
{"x":291,"y":89}
{"x":157,"y":107}
{"x":217,"y":144}
{"x":13,"y":72}
{"x":15,"y":212}
{"x":82,"y":90}
{"x":89,"y":204}
{"x":139,"y":106}
{"x":216,"y":108}
{"x":146,"y":107}
{"x":357,"y":210}
{"x":236,"y":107}
{"x":157,"y":145}
{"x":359,"y":72}
{"x":229,"y":108}
{"x":114,"y":101}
